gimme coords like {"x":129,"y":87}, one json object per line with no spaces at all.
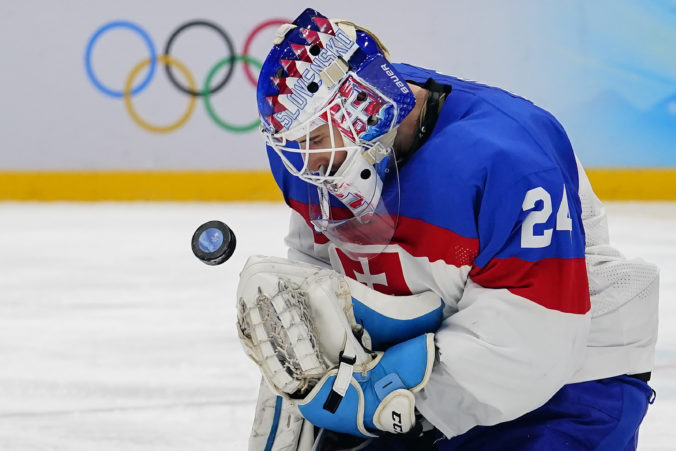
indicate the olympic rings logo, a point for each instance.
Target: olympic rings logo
{"x":205,"y":92}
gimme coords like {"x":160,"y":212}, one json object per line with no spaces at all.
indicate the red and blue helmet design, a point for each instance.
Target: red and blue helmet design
{"x":316,"y":62}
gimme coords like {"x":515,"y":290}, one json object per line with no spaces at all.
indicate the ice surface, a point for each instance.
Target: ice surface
{"x":114,"y":337}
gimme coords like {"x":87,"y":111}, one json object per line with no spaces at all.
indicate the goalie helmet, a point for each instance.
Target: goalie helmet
{"x":331,"y":72}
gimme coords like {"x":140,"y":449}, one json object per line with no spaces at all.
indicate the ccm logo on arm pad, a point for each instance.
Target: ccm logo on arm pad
{"x":396,"y":425}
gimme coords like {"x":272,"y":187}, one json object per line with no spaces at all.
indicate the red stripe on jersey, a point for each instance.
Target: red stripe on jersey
{"x":555,"y":283}
{"x":415,"y":236}
{"x":421,"y":239}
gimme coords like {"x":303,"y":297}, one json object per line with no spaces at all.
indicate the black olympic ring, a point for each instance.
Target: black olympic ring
{"x":228,"y":43}
{"x":192,"y":89}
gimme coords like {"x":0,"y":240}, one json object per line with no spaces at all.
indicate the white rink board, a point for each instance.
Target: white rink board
{"x":113,"y":337}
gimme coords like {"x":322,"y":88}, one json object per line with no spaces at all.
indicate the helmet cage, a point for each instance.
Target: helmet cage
{"x":286,"y":148}
{"x":357,"y":111}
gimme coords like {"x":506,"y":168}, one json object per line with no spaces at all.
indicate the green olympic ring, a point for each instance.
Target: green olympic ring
{"x":207,"y":98}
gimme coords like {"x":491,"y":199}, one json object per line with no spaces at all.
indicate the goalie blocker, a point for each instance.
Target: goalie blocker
{"x":348,"y":357}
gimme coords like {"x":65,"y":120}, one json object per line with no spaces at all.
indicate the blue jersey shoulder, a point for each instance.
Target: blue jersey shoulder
{"x":487,"y":151}
{"x":484,"y":135}
{"x":481,"y":124}
{"x":491,"y":153}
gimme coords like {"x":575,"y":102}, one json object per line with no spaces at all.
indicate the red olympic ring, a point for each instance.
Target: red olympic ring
{"x":245,"y":52}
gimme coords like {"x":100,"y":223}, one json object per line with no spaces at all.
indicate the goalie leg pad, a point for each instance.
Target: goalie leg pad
{"x":278,"y":425}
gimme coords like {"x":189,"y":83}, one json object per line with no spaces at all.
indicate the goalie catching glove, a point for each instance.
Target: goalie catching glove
{"x":311,"y":331}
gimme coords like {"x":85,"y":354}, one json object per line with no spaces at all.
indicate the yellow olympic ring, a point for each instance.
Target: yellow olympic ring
{"x":130,"y":109}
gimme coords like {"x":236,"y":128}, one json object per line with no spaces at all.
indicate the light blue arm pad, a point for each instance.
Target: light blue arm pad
{"x":406,"y":366}
{"x":394,"y":319}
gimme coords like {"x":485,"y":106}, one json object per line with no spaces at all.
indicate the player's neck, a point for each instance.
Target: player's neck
{"x":408,"y":128}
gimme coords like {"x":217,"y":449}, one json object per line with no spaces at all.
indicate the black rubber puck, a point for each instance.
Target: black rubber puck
{"x":213,"y":242}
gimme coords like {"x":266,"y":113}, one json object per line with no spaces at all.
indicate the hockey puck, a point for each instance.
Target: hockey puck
{"x":213,"y":242}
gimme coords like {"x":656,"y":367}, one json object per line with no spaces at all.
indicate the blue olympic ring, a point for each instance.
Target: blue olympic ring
{"x":88,"y":57}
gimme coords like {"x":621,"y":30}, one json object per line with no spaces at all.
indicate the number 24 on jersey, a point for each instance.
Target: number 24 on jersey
{"x":563,"y":222}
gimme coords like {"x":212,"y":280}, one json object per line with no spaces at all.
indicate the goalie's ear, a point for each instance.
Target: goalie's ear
{"x":394,"y":319}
